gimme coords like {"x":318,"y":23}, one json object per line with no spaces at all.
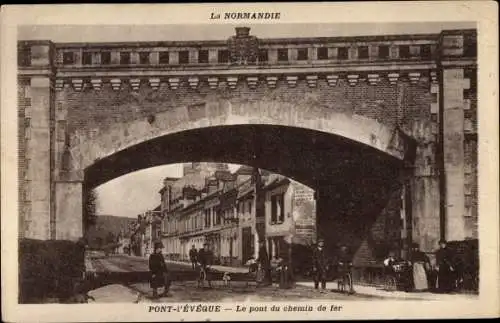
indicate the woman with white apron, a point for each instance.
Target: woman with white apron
{"x":421,"y":264}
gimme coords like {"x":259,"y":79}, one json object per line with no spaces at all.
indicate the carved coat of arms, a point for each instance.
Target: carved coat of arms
{"x":243,"y":48}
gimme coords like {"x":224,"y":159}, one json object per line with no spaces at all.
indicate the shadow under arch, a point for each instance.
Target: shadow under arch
{"x":355,"y":183}
{"x":306,"y":156}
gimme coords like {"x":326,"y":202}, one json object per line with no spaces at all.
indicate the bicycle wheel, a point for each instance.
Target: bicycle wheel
{"x":348,"y":283}
{"x":201,"y":278}
{"x":340,"y":284}
{"x":390,"y":283}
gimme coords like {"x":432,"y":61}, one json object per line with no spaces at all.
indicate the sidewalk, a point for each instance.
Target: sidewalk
{"x":378,"y":291}
{"x":360,"y":289}
{"x":231,"y":270}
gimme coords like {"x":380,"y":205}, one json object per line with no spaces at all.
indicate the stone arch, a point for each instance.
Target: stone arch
{"x":89,"y":146}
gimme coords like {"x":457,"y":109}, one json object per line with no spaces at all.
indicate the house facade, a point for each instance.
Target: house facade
{"x":224,"y":212}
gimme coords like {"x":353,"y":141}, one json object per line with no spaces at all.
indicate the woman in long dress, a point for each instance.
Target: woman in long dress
{"x":420,"y":263}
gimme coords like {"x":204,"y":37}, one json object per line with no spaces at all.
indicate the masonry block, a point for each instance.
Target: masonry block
{"x":453,"y":146}
{"x":69,"y":222}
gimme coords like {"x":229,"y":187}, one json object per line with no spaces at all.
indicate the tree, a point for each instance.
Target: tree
{"x":90,"y":208}
{"x":110,"y":238}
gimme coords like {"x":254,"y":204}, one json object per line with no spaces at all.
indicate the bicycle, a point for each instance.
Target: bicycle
{"x":344,"y":283}
{"x":394,"y":279}
{"x":202,"y":276}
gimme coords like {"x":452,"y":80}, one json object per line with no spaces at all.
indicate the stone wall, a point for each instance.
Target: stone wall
{"x":432,"y":99}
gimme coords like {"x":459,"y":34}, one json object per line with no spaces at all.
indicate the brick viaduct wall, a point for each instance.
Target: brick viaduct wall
{"x":432,"y":99}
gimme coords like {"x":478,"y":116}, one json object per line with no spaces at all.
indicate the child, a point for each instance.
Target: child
{"x":227,"y":279}
{"x":159,"y":272}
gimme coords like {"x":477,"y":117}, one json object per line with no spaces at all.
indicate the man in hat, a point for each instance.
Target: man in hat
{"x":159,"y":271}
{"x":444,"y":261}
{"x":193,"y":256}
{"x":320,"y":264}
{"x":205,"y":259}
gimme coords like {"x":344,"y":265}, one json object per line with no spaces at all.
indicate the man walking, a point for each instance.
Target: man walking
{"x":444,"y":261}
{"x":205,"y":259}
{"x":159,"y":271}
{"x":320,"y":265}
{"x":193,"y":256}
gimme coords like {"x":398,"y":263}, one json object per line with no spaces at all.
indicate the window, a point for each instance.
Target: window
{"x":263,"y":55}
{"x":383,"y":51}
{"x":87,"y":58}
{"x":27,"y":191}
{"x":277,"y":208}
{"x":283,"y":54}
{"x":27,"y":128}
{"x":24,"y":55}
{"x":143,"y":58}
{"x":223,"y":56}
{"x":68,"y":58}
{"x":209,"y":217}
{"x":218,"y":217}
{"x":183,"y":57}
{"x":342,"y":53}
{"x":105,"y":58}
{"x":425,"y":51}
{"x":470,"y":48}
{"x":250,"y":207}
{"x":124,"y":58}
{"x":302,"y":54}
{"x":163,"y":57}
{"x":203,"y":56}
{"x":322,"y":53}
{"x":363,"y":52}
{"x":404,"y":51}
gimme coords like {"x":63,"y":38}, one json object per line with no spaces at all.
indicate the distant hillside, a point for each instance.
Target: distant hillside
{"x":113,"y":224}
{"x":106,"y":224}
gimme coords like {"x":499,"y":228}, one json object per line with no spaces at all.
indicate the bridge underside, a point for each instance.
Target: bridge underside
{"x":313,"y":158}
{"x":354,"y":183}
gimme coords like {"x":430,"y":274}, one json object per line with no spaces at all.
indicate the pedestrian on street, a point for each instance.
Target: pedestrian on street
{"x":265,"y":264}
{"x":420,"y":268}
{"x":193,"y":256}
{"x":205,"y":259}
{"x":159,"y":271}
{"x":320,"y":264}
{"x":344,"y":266}
{"x":444,"y":263}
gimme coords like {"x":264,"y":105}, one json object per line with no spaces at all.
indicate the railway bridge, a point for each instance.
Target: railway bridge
{"x":382,"y":127}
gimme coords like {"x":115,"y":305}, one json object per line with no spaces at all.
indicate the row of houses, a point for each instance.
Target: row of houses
{"x":232,"y":211}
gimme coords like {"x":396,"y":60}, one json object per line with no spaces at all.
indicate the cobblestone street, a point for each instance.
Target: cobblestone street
{"x":121,"y":289}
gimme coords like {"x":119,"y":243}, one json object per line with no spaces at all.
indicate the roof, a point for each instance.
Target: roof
{"x":195,"y":180}
{"x":165,"y":180}
{"x":275,"y":182}
{"x":224,"y":175}
{"x":244,"y":170}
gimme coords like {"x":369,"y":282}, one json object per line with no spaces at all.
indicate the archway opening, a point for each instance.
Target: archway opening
{"x":358,"y":188}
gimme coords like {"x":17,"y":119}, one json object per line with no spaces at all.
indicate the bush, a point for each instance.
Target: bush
{"x":49,"y":269}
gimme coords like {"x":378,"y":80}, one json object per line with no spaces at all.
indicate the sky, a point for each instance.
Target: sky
{"x":137,"y":192}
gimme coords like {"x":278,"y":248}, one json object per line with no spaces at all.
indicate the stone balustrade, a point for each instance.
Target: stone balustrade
{"x":193,"y":64}
{"x":271,"y":52}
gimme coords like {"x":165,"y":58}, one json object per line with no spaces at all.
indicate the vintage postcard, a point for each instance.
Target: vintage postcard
{"x":249,"y":161}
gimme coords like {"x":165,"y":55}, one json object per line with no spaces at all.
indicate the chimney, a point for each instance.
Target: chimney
{"x":242,"y":32}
